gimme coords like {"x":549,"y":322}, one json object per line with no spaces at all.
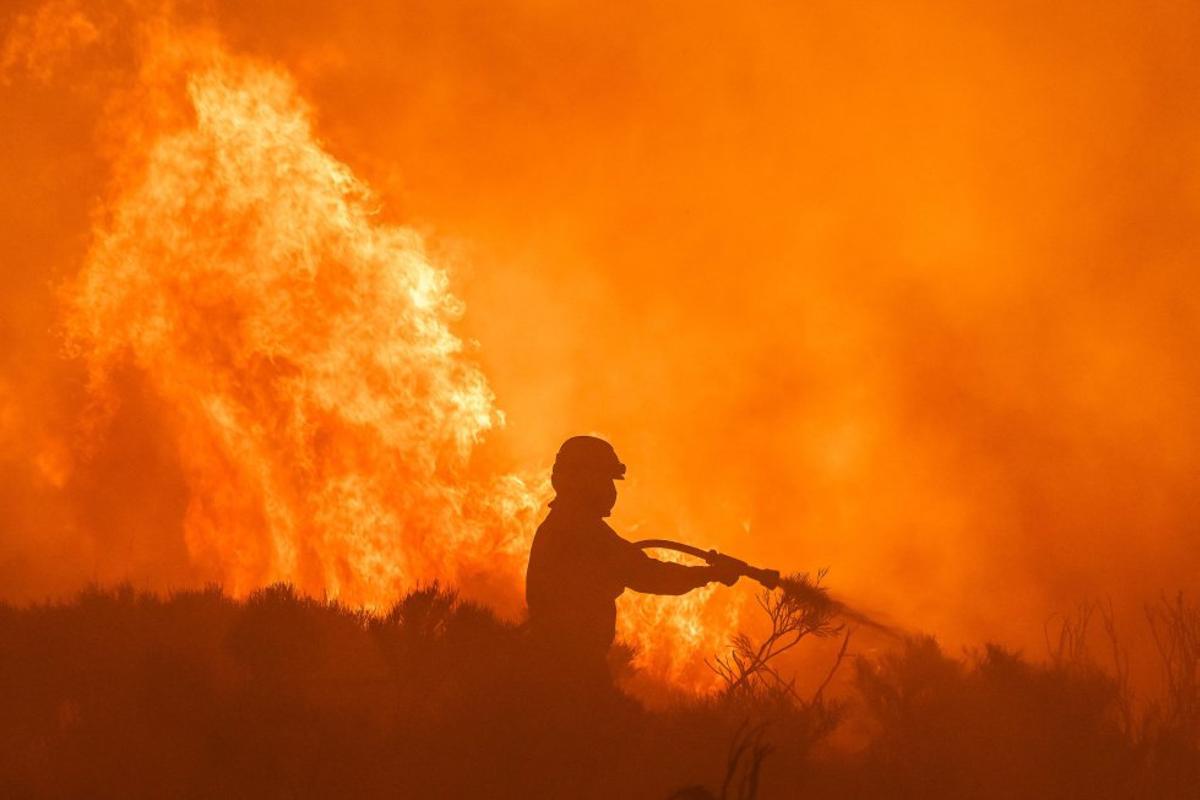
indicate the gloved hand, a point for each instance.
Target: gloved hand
{"x":724,"y":569}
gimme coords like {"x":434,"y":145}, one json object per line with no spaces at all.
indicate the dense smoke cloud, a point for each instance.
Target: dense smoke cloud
{"x":902,"y":289}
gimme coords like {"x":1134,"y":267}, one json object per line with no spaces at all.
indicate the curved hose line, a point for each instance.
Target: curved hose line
{"x":769,"y":578}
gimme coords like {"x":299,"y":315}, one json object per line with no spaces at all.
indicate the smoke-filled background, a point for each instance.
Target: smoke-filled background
{"x":312,"y":292}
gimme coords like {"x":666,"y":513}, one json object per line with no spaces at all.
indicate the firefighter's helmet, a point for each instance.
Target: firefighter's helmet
{"x":588,"y":456}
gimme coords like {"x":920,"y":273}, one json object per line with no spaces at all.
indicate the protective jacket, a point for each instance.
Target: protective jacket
{"x":578,"y":566}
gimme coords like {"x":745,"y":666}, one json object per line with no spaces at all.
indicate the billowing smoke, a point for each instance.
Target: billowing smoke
{"x":902,"y":290}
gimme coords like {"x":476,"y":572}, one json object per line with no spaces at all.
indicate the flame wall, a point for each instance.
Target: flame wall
{"x":905,"y":289}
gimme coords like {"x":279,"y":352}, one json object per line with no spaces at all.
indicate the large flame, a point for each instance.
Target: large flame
{"x":324,"y":412}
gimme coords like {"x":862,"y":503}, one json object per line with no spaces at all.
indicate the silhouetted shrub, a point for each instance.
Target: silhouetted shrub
{"x":122,"y":694}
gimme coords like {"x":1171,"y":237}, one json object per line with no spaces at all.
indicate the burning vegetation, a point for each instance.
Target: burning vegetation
{"x":323,"y":413}
{"x":815,"y":271}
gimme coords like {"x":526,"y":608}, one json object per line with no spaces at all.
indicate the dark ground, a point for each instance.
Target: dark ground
{"x":120,"y":694}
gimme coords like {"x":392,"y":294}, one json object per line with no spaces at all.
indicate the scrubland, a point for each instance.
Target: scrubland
{"x":122,"y":694}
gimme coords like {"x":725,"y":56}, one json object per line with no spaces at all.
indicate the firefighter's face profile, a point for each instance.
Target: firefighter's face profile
{"x":596,"y":494}
{"x":607,"y":497}
{"x":585,"y":473}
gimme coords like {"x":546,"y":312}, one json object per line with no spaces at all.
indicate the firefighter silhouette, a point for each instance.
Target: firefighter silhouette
{"x":578,"y":566}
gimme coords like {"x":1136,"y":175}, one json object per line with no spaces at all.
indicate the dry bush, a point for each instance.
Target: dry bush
{"x":800,"y":610}
{"x":1170,"y":731}
{"x":123,"y":694}
{"x":1175,"y":625}
{"x":764,"y":699}
{"x":991,"y":726}
{"x":1163,"y":729}
{"x":742,"y":771}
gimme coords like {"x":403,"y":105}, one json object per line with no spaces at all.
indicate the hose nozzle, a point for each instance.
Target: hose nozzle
{"x":769,"y":578}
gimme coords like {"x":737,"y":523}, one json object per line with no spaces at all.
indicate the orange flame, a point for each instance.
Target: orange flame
{"x":324,"y":411}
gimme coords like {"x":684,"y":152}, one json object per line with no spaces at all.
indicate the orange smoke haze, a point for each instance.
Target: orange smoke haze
{"x":907,"y":290}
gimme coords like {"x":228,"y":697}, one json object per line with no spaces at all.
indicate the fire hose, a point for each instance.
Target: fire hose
{"x":769,"y":578}
{"x":800,"y":588}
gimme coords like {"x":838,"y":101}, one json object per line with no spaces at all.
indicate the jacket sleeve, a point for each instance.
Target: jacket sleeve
{"x":644,"y":574}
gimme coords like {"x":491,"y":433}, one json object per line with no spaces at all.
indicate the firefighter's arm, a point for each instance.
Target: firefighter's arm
{"x":651,"y":576}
